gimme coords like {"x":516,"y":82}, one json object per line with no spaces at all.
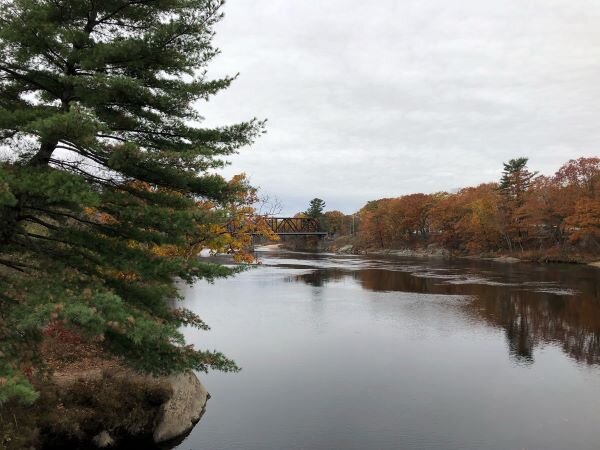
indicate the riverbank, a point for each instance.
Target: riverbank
{"x":349,"y":245}
{"x":90,"y":400}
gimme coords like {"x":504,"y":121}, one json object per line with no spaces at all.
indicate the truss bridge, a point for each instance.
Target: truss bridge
{"x":287,"y":226}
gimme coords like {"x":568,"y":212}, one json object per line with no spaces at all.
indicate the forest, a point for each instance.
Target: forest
{"x":525,"y":214}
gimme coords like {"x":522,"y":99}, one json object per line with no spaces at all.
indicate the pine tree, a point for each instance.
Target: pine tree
{"x":514,"y":184}
{"x":107,"y":163}
{"x":315,"y":208}
{"x":516,"y":178}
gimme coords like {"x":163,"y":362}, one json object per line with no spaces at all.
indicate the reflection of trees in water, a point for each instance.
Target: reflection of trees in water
{"x":529,"y":318}
{"x":532,"y":318}
{"x":388,"y":281}
{"x":505,"y":309}
{"x":320,"y":277}
{"x":518,"y":331}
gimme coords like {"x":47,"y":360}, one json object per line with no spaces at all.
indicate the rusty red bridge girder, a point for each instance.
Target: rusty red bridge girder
{"x":287,"y":226}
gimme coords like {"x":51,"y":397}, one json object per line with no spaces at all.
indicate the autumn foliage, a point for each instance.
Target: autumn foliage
{"x":556,"y":215}
{"x":213,"y":234}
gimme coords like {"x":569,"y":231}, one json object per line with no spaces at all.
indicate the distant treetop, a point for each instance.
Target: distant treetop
{"x":315,"y":208}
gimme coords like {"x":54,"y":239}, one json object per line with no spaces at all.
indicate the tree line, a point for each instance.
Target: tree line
{"x":523,"y":213}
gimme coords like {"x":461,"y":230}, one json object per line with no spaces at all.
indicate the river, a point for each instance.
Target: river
{"x":348,"y":352}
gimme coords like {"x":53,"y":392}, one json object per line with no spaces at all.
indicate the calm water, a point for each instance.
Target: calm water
{"x":374,"y":353}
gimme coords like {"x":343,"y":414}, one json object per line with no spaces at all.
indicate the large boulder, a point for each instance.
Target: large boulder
{"x":183,"y":410}
{"x":105,"y":407}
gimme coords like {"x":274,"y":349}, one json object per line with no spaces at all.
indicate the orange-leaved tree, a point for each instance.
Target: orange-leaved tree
{"x":228,"y":228}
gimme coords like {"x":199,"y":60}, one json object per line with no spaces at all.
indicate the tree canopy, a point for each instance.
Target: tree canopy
{"x":108,"y":178}
{"x":554,"y":216}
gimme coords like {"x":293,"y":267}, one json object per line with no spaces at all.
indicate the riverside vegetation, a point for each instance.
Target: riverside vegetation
{"x":531,"y":216}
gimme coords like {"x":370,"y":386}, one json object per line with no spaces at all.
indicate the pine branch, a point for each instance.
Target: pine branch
{"x":28,"y":79}
{"x":34,"y":219}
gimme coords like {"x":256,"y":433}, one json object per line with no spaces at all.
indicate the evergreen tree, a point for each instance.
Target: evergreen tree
{"x":315,"y":208}
{"x":514,"y":184}
{"x":107,"y":162}
{"x":516,"y":178}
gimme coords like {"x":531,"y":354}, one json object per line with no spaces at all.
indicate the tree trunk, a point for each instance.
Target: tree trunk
{"x":42,"y":157}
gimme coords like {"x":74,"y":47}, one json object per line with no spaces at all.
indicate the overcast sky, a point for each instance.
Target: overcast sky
{"x":376,"y":99}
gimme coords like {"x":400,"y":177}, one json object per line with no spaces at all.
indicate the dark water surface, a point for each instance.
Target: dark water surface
{"x":374,"y":353}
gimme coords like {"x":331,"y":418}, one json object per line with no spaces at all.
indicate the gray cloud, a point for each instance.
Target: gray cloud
{"x":374,"y":99}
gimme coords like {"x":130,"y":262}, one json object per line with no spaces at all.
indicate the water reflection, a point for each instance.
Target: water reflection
{"x":534,"y":305}
{"x":534,"y":318}
{"x":319,"y":278}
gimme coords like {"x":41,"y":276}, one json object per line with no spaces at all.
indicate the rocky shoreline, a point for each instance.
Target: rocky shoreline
{"x":345,"y":247}
{"x":90,"y":400}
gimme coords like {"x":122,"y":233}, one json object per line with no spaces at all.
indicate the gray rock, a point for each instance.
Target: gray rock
{"x":507,"y":259}
{"x":183,"y":410}
{"x":103,"y":440}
